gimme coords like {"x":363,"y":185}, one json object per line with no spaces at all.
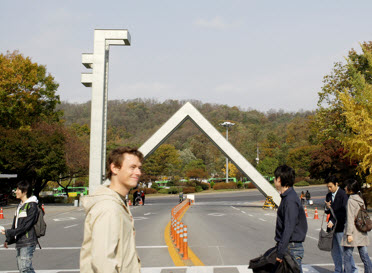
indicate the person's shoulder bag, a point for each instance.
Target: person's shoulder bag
{"x":326,"y":238}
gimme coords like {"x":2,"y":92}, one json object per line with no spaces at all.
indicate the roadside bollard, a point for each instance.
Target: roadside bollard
{"x":185,"y":244}
{"x":181,"y":238}
{"x":178,"y":236}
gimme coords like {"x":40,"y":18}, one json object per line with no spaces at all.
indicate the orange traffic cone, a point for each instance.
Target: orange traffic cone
{"x":316,"y":214}
{"x":42,"y":207}
{"x":328,"y":217}
{"x":1,"y":214}
{"x":306,"y":212}
{"x":129,"y":202}
{"x":140,"y":202}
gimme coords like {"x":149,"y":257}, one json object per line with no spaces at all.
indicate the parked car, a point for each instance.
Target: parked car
{"x":3,"y":199}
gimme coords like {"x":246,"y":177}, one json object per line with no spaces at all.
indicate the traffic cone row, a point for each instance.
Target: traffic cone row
{"x":316,"y":215}
{"x":1,"y":213}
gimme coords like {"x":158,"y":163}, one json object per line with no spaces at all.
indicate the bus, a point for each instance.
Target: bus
{"x":221,"y":179}
{"x":72,"y":191}
{"x":162,"y":184}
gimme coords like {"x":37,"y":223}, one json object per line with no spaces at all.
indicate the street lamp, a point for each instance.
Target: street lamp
{"x":227,"y":124}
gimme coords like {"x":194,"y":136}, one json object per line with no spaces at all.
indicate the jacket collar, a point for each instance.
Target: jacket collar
{"x":283,"y":195}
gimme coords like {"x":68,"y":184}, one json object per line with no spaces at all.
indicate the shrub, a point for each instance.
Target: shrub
{"x":212,"y":184}
{"x":188,"y":190}
{"x":173,"y":190}
{"x":150,"y":191}
{"x":314,"y":181}
{"x":249,"y":185}
{"x":301,"y":183}
{"x":205,"y":186}
{"x":163,"y":191}
{"x":223,"y":185}
{"x":198,"y":189}
{"x":155,"y":186}
{"x":239,"y":184}
{"x":191,"y":183}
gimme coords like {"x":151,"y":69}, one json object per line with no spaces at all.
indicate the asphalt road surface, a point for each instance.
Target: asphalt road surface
{"x":225,"y":231}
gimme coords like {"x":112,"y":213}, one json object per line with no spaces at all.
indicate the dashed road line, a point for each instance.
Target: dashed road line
{"x":262,"y":219}
{"x":71,"y":226}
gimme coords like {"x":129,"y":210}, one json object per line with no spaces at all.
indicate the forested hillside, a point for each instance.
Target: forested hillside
{"x":276,"y":133}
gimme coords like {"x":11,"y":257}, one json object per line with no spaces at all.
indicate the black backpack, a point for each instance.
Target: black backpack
{"x":363,"y":222}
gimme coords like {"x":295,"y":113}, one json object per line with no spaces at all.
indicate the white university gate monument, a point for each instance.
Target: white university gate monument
{"x":98,"y":80}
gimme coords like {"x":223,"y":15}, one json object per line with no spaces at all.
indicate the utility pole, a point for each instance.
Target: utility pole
{"x":227,"y":124}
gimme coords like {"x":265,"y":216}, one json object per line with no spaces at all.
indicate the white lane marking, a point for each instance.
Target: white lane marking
{"x":147,"y":213}
{"x":270,"y":214}
{"x":216,"y":214}
{"x":140,"y":218}
{"x":312,"y":237}
{"x":243,"y":211}
{"x":250,"y":215}
{"x":318,"y":229}
{"x":64,"y":219}
{"x":235,"y":208}
{"x":78,"y":247}
{"x":71,"y":226}
{"x":151,"y":246}
{"x":262,"y":219}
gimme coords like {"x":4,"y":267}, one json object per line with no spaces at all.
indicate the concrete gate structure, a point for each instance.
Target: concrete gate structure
{"x":188,"y":111}
{"x":98,"y":80}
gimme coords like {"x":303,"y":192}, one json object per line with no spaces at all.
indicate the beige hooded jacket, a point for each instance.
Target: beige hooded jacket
{"x":359,"y":238}
{"x":109,"y":235}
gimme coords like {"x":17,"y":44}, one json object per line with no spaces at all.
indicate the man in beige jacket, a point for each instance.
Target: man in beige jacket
{"x":109,"y":234}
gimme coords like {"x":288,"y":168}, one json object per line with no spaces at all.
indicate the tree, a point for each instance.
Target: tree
{"x":164,"y":161}
{"x":300,"y":159}
{"x":27,"y":92}
{"x":329,"y":121}
{"x":267,"y":166}
{"x":331,"y":158}
{"x":233,"y":171}
{"x":357,"y":109}
{"x":36,"y":154}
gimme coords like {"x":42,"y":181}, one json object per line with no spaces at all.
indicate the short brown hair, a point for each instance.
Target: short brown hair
{"x":116,"y":157}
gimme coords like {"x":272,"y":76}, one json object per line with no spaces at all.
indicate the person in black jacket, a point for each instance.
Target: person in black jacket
{"x":22,"y":232}
{"x":336,"y":198}
{"x":291,"y":223}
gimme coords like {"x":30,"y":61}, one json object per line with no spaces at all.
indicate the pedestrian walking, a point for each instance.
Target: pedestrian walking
{"x":337,"y":199}
{"x":180,"y":196}
{"x":302,"y":197}
{"x":22,"y":232}
{"x":352,"y":236}
{"x":308,"y":197}
{"x":109,"y":234}
{"x":143,"y":197}
{"x":291,"y":223}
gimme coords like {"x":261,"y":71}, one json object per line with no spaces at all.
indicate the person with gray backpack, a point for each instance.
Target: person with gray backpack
{"x":22,"y":232}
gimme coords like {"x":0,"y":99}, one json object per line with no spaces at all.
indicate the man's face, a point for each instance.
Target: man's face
{"x":277,"y":183}
{"x":332,"y":187}
{"x":20,"y":194}
{"x":130,"y":171}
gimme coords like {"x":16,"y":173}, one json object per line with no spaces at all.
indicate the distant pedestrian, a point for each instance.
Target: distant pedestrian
{"x":180,"y":196}
{"x":291,"y":223}
{"x":109,"y":235}
{"x":336,"y":199}
{"x":22,"y":232}
{"x":302,"y":197}
{"x":308,"y":197}
{"x":353,"y":237}
{"x":143,"y":197}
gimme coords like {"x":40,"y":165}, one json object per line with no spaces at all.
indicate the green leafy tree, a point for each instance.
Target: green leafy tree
{"x":267,"y":166}
{"x":329,"y":121}
{"x":357,"y":109}
{"x":27,"y":92}
{"x":164,"y":161}
{"x":300,"y":159}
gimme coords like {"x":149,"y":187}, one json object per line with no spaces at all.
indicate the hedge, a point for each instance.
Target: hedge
{"x":224,"y":185}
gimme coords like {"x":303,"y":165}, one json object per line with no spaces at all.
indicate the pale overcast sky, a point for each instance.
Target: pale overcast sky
{"x":252,"y":54}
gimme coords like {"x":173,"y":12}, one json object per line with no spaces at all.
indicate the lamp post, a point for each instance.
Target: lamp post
{"x":227,"y":124}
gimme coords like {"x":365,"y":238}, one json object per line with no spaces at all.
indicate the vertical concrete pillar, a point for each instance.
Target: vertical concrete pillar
{"x":98,"y":80}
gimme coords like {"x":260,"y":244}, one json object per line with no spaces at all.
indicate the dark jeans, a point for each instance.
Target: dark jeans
{"x":297,"y":252}
{"x":24,"y":259}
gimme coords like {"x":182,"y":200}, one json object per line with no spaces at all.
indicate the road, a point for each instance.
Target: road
{"x":225,"y":231}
